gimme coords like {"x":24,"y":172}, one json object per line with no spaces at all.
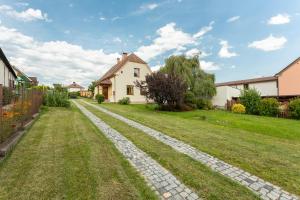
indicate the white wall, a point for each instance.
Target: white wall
{"x":74,"y":89}
{"x":2,"y":68}
{"x":124,"y":77}
{"x":225,"y":93}
{"x":266,"y":88}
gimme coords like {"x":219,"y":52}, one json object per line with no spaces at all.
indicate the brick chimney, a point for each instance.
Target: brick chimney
{"x":124,"y":55}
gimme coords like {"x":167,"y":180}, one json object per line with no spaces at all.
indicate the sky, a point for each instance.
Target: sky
{"x":61,"y":41}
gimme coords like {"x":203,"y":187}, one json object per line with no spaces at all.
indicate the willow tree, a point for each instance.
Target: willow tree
{"x":200,"y":83}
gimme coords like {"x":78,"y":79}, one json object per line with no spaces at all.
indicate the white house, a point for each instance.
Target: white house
{"x":7,"y":74}
{"x":118,"y":82}
{"x":74,"y":87}
{"x":283,"y":85}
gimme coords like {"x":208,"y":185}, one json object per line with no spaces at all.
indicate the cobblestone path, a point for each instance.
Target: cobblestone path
{"x":262,"y":188}
{"x":160,"y":180}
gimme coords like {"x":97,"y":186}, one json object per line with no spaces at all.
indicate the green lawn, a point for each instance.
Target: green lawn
{"x":266,"y":147}
{"x":64,"y":156}
{"x":208,"y":184}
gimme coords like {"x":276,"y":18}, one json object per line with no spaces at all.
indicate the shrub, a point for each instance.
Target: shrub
{"x":238,"y":108}
{"x":100,"y":98}
{"x":204,"y":104}
{"x":269,"y":107}
{"x":251,"y":100}
{"x":124,"y":101}
{"x":190,"y":99}
{"x":167,"y":90}
{"x":73,"y":95}
{"x":56,"y":99}
{"x":294,"y":108}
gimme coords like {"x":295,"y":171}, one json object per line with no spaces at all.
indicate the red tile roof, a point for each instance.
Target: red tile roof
{"x":111,"y":72}
{"x":75,"y":85}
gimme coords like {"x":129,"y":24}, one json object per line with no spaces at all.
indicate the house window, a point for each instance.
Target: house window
{"x":129,"y":89}
{"x":246,"y":86}
{"x":137,"y":72}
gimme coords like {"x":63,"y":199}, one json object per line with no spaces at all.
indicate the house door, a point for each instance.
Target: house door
{"x":105,"y":92}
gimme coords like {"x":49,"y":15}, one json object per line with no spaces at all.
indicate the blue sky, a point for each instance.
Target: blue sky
{"x":73,"y":40}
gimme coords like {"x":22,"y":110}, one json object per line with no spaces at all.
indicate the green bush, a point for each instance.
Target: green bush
{"x":238,"y":108}
{"x":204,"y":104}
{"x":73,"y":95}
{"x":269,"y":107}
{"x":190,"y":99}
{"x":56,"y":99}
{"x":100,"y":98}
{"x":294,"y":108}
{"x":251,"y":100}
{"x":124,"y":101}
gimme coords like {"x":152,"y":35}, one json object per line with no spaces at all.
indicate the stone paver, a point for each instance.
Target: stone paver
{"x":161,"y":180}
{"x":262,"y":188}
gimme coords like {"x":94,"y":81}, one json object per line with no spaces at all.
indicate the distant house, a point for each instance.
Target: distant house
{"x":7,"y":74}
{"x":34,"y":81}
{"x":26,"y":80}
{"x":74,"y":87}
{"x":85,"y":93}
{"x":118,"y":82}
{"x":283,"y":85}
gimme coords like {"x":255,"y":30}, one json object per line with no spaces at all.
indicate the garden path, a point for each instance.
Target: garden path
{"x":161,"y":180}
{"x":259,"y":186}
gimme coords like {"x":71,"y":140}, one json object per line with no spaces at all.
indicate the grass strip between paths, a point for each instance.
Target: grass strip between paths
{"x":64,"y":156}
{"x":260,"y":151}
{"x":208,"y":184}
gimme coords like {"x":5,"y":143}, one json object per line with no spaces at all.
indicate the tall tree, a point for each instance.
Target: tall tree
{"x":91,"y":87}
{"x":199,"y":82}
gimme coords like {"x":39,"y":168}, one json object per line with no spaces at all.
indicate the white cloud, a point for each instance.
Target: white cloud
{"x":204,"y":30}
{"x":22,"y":4}
{"x":233,"y":19}
{"x":170,"y":38}
{"x":102,"y":18}
{"x":208,"y":66}
{"x":115,"y":18}
{"x":156,"y":68}
{"x":145,"y":8}
{"x":71,"y":5}
{"x":150,"y":6}
{"x":279,"y":19}
{"x":54,"y":61}
{"x":270,"y":43}
{"x":117,"y":40}
{"x":225,"y":50}
{"x":27,"y":15}
{"x":192,"y":52}
{"x":67,"y":32}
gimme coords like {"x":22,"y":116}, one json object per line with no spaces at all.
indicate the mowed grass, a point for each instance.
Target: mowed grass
{"x":205,"y":182}
{"x":264,"y":146}
{"x":64,"y":156}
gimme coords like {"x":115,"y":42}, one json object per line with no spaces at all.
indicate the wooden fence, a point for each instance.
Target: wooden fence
{"x":17,"y":106}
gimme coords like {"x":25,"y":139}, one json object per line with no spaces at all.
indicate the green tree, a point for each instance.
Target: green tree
{"x":199,"y":82}
{"x":251,"y":100}
{"x":91,"y":87}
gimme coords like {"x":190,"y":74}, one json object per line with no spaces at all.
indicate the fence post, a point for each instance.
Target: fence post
{"x":1,"y":110}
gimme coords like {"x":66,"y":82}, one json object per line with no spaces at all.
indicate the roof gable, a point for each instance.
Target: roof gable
{"x":290,"y":65}
{"x":75,"y":85}
{"x":130,"y":58}
{"x":6,"y":62}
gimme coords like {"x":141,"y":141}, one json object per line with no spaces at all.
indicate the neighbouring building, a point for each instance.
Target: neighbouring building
{"x":118,"y":82}
{"x":24,"y":79}
{"x":7,"y":74}
{"x":283,"y":85}
{"x":74,"y":87}
{"x":86,"y":93}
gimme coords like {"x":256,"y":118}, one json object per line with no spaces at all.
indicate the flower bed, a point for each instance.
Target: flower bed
{"x":18,"y":111}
